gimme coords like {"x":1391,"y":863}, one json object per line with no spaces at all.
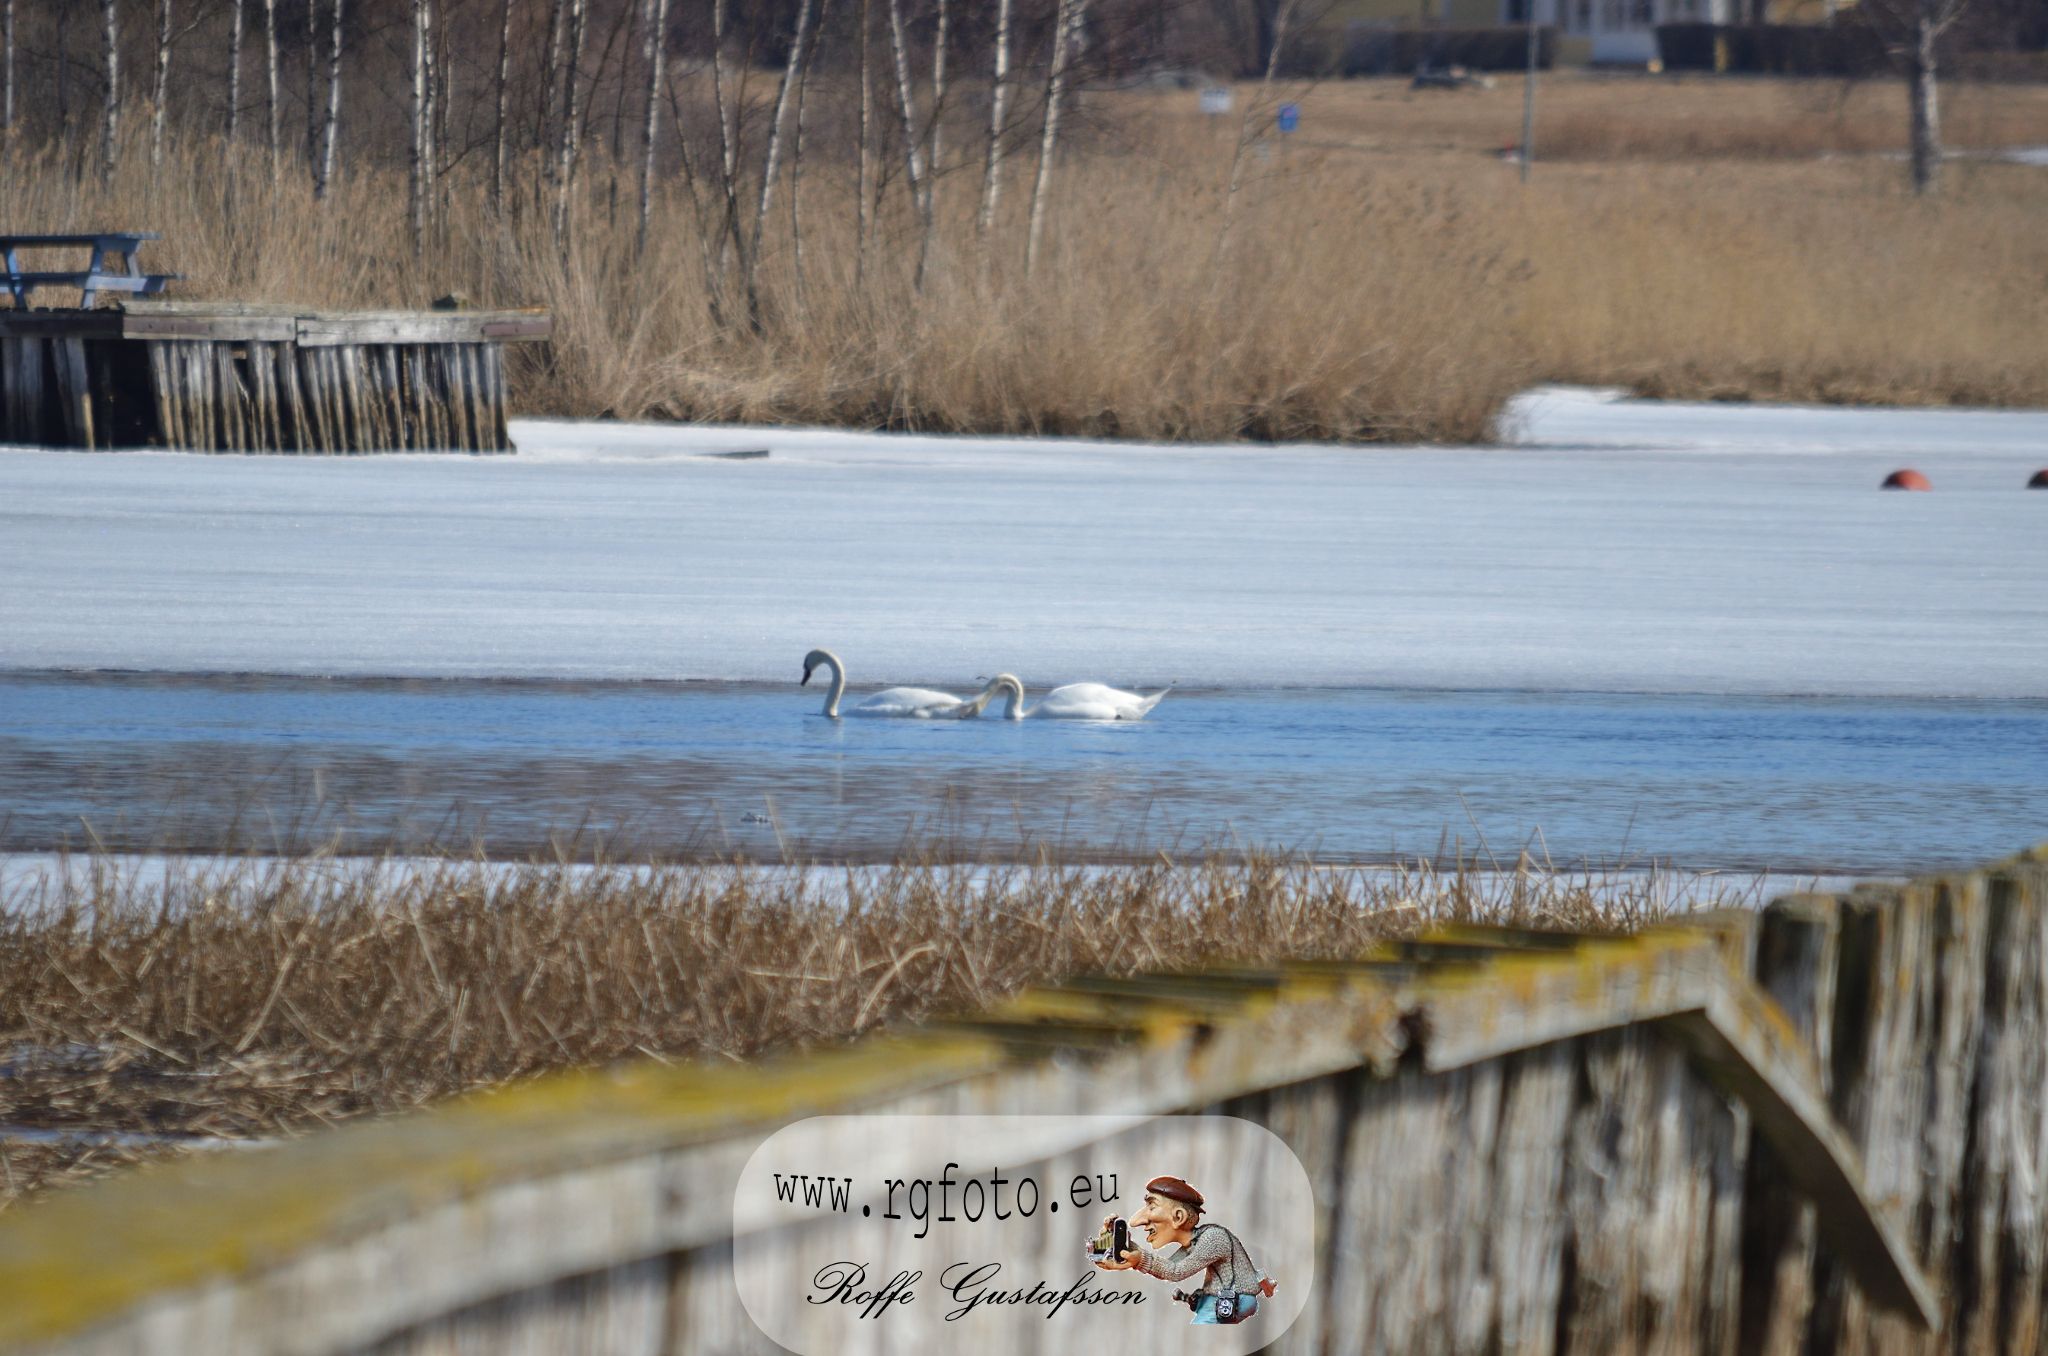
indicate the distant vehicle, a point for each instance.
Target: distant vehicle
{"x":1450,"y":77}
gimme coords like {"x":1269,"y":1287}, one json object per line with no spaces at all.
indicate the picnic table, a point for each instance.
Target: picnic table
{"x":95,"y":278}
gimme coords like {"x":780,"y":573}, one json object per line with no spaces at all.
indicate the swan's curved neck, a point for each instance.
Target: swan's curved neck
{"x":838,"y":688}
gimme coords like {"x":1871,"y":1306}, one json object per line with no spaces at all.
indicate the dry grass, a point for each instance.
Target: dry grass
{"x":253,"y":1000}
{"x":1385,"y":276}
{"x":1668,"y":119}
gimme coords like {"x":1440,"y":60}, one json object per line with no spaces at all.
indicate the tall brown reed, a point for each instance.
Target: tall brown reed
{"x":253,"y":998}
{"x":1381,"y":279}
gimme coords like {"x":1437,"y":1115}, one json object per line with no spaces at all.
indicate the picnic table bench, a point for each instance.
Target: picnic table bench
{"x":95,"y":278}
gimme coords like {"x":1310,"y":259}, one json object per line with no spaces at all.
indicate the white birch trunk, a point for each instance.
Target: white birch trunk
{"x":572,"y":118}
{"x":998,"y":104}
{"x":656,"y":55}
{"x":234,"y":71}
{"x":792,"y":73}
{"x":915,"y":166}
{"x":498,"y":124}
{"x":331,"y":128}
{"x":1068,"y":18}
{"x":270,"y":71}
{"x":160,"y":84}
{"x":906,"y":110}
{"x":729,"y":235}
{"x":437,"y":117}
{"x":796,"y":160}
{"x":863,"y":209}
{"x":313,"y":88}
{"x":938,"y":90}
{"x":7,"y":71}
{"x":417,"y":107}
{"x":110,"y":128}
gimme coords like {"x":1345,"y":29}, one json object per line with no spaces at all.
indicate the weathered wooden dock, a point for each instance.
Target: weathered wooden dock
{"x":230,"y":377}
{"x":1817,"y":1128}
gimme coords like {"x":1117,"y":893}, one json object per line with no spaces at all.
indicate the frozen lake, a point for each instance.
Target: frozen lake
{"x":1694,"y":633}
{"x":1618,"y":547}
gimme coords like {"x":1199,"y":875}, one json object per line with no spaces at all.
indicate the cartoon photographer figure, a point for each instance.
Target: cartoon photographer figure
{"x":1231,"y":1283}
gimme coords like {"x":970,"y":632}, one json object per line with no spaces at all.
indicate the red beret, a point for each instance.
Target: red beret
{"x":1173,"y":1189}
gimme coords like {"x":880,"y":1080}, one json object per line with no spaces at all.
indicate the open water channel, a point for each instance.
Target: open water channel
{"x":1827,"y":785}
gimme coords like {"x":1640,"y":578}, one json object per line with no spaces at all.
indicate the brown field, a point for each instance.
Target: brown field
{"x":248,"y":1001}
{"x":1384,"y":276}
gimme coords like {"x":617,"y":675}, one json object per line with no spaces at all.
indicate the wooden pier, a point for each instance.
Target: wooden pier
{"x":1817,"y":1128}
{"x":232,"y":377}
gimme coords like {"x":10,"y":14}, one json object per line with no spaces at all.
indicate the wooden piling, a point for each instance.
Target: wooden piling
{"x":229,"y":377}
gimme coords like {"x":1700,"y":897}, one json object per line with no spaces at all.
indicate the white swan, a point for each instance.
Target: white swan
{"x":1076,"y":701}
{"x":912,"y":703}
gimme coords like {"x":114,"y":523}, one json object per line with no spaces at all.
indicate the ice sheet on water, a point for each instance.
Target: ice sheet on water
{"x":1612,"y":545}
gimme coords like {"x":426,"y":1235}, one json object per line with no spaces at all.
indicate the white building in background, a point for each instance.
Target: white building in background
{"x":1618,"y":32}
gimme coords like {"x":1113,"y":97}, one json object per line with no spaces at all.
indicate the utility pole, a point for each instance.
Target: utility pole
{"x":1529,"y":97}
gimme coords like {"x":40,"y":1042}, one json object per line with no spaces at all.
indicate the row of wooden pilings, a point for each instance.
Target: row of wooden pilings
{"x":1821,"y":1127}
{"x":220,"y":377}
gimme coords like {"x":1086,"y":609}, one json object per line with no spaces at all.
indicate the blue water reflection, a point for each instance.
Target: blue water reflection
{"x":1805,"y":784}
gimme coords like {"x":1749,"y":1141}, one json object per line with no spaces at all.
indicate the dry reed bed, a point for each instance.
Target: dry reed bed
{"x":1403,"y":291}
{"x":254,"y":999}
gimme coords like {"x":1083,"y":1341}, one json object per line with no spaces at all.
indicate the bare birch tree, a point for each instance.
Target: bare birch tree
{"x":913,"y":149}
{"x":234,"y":70}
{"x":417,"y":106}
{"x":7,"y":71}
{"x":159,"y":83}
{"x":792,"y":75}
{"x":998,"y":101}
{"x":796,"y":158}
{"x":572,"y":117}
{"x":331,"y":124}
{"x":270,"y":71}
{"x":655,"y":53}
{"x":941,"y":32}
{"x":1913,"y":30}
{"x":313,"y":87}
{"x":1068,"y":19}
{"x":863,"y":210}
{"x":498,"y":123}
{"x":110,"y":127}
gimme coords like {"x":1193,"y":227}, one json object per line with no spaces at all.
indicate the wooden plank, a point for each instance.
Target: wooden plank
{"x":21,"y":374}
{"x":525,"y":327}
{"x":74,"y":391}
{"x":119,"y":241}
{"x":269,"y":429}
{"x":101,"y":324}
{"x":161,"y":396}
{"x":291,"y":398}
{"x":383,"y":363}
{"x":199,"y":397}
{"x":419,"y":327}
{"x":234,"y":400}
{"x":271,"y":329}
{"x":494,"y":359}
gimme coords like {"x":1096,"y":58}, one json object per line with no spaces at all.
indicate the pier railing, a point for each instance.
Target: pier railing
{"x":1818,"y":1127}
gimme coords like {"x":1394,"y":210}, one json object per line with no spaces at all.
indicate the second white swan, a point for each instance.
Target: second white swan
{"x":906,"y":703}
{"x":1076,"y":701}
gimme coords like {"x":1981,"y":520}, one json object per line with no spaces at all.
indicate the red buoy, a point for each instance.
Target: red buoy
{"x":1908,"y":479}
{"x":2040,"y":480}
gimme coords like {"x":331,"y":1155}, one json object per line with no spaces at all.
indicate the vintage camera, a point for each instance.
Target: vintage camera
{"x":1112,"y":1243}
{"x":1226,"y":1308}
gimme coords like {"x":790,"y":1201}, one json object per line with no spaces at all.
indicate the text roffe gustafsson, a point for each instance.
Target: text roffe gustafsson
{"x":967,"y":1285}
